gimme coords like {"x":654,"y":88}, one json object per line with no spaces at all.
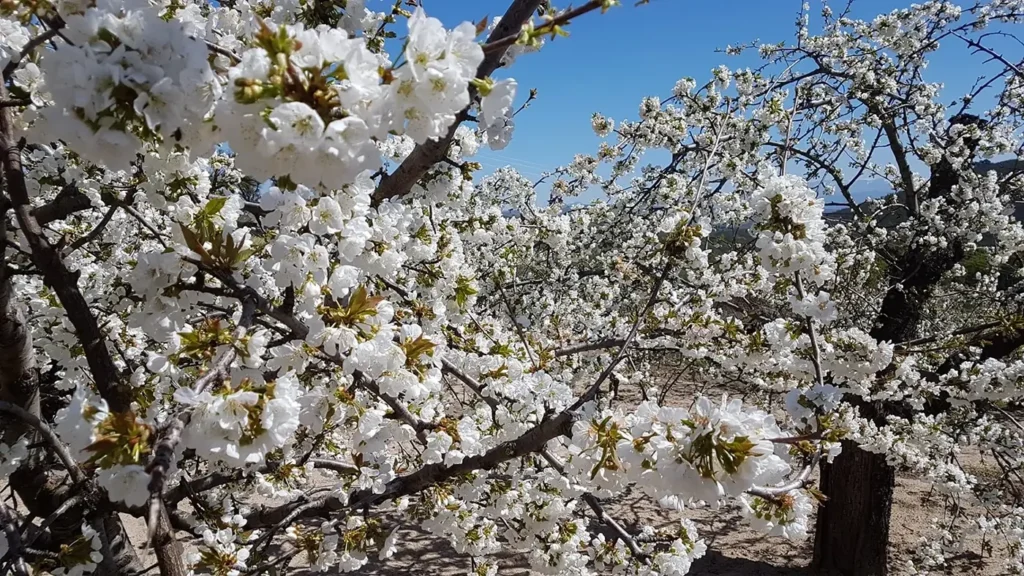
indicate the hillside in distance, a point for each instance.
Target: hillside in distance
{"x":872,"y":197}
{"x":894,"y":217}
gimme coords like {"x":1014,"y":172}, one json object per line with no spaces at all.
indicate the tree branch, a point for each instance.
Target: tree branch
{"x":48,"y":435}
{"x":899,"y":153}
{"x":600,"y":512}
{"x":170,"y":436}
{"x":57,"y":276}
{"x":588,"y":347}
{"x":401,"y":181}
{"x":16,"y":549}
{"x":68,"y":201}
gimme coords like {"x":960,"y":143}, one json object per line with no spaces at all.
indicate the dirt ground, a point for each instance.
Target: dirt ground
{"x":733,"y":548}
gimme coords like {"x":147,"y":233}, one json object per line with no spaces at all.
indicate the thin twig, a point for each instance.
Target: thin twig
{"x":218,"y":49}
{"x":94,"y":233}
{"x":546,"y":28}
{"x":596,"y":386}
{"x":48,"y":435}
{"x":801,"y":480}
{"x":15,"y":547}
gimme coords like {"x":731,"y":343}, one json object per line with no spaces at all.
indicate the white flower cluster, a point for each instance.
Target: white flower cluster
{"x":240,"y":425}
{"x":219,"y":553}
{"x":127,"y":80}
{"x":77,"y":422}
{"x":676,"y":455}
{"x":310,"y":104}
{"x":128,"y":484}
{"x":81,"y":556}
{"x":787,"y":515}
{"x":496,"y":112}
{"x":791,"y":230}
{"x":678,"y":559}
{"x":305,"y":104}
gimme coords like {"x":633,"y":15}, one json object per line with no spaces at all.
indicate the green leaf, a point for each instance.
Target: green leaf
{"x":193,"y":243}
{"x":244,"y":255}
{"x":214,"y":206}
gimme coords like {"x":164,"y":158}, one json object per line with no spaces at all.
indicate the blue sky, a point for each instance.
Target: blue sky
{"x":611,"y":61}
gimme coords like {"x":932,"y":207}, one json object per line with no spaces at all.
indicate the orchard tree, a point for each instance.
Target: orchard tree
{"x":247,"y":258}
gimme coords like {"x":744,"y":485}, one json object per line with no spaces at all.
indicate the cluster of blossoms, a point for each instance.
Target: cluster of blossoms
{"x":791,"y":239}
{"x":139,"y":80}
{"x":80,"y":556}
{"x":272,"y":312}
{"x":219,"y":553}
{"x":677,"y":455}
{"x":240,"y":425}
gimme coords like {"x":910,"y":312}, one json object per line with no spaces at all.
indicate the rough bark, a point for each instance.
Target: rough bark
{"x":170,"y":554}
{"x":41,"y":485}
{"x":853,"y":526}
{"x":17,"y":383}
{"x":852,"y":529}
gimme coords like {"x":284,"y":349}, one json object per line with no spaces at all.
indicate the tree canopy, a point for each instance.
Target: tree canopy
{"x":247,"y":255}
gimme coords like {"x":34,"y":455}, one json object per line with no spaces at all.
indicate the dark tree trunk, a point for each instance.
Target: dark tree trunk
{"x":852,"y":531}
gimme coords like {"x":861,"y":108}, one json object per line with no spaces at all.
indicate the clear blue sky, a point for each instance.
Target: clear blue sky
{"x":611,"y":61}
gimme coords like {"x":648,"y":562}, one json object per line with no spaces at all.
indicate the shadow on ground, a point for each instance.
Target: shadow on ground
{"x":421,"y":553}
{"x":714,"y":563}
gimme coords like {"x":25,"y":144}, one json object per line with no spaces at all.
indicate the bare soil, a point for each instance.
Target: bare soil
{"x":733,"y":548}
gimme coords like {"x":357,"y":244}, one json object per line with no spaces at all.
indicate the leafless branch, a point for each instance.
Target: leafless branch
{"x":48,"y":435}
{"x":56,"y":275}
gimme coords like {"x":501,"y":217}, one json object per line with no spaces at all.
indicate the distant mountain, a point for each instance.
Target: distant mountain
{"x":876,"y":189}
{"x":895,"y":216}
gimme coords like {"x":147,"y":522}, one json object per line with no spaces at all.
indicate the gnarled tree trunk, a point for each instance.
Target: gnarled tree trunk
{"x":852,"y":533}
{"x":852,"y":529}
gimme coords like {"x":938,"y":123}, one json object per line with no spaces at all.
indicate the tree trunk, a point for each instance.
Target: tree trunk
{"x":852,"y":533}
{"x":39,"y":484}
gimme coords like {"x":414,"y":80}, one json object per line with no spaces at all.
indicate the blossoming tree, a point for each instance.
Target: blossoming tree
{"x":255,"y":291}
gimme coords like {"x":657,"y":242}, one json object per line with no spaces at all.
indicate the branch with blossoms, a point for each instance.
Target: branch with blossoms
{"x":18,"y":413}
{"x":411,"y":170}
{"x":241,"y":298}
{"x":56,"y":273}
